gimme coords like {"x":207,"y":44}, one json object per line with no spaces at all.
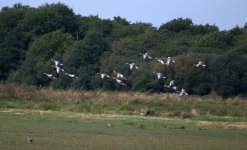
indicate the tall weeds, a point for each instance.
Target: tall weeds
{"x":119,"y":102}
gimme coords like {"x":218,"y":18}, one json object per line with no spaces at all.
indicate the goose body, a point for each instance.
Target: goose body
{"x":50,"y":76}
{"x":144,"y":113}
{"x":103,"y":75}
{"x":58,"y":69}
{"x":119,"y":75}
{"x":71,"y":75}
{"x":120,"y":82}
{"x":29,"y":140}
{"x":182,"y":93}
{"x":170,"y":84}
{"x":174,"y":88}
{"x":109,"y":124}
{"x":160,"y":61}
{"x":57,"y":63}
{"x":160,"y":75}
{"x":132,"y":66}
{"x":146,"y":56}
{"x":200,"y":63}
{"x":169,"y":60}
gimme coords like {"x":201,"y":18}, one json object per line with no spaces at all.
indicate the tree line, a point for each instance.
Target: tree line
{"x":86,"y":45}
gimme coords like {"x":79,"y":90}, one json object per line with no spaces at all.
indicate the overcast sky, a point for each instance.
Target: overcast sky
{"x":226,"y":14}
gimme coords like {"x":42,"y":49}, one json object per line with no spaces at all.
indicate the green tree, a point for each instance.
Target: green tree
{"x":46,"y":46}
{"x":203,"y":29}
{"x":177,"y":25}
{"x":83,"y":59}
{"x":49,"y":17}
{"x":216,"y":42}
{"x":196,"y":80}
{"x":38,"y":58}
{"x":13,"y":42}
{"x":229,"y":75}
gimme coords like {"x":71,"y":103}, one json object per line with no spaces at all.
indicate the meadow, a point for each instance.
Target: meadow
{"x":69,"y":130}
{"x":67,"y":119}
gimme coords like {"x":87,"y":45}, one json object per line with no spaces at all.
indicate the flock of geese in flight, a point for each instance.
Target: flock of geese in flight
{"x":120,"y":78}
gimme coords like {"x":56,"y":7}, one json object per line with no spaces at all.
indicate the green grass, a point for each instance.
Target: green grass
{"x":60,"y":130}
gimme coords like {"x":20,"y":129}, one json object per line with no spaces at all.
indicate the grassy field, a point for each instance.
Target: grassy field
{"x":67,"y":119}
{"x":69,"y":130}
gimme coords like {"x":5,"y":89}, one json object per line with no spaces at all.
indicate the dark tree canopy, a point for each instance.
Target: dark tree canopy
{"x":30,"y":38}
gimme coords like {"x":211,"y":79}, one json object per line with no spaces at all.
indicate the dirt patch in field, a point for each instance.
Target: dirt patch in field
{"x":18,"y":113}
{"x":237,"y":125}
{"x":204,"y":123}
{"x":8,"y":110}
{"x":242,"y":126}
{"x":43,"y":112}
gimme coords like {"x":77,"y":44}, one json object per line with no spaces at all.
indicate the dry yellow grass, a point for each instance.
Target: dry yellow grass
{"x":195,"y":112}
{"x":119,"y":102}
{"x":31,"y":92}
{"x":27,"y":92}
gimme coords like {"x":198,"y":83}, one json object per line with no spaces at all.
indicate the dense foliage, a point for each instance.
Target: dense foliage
{"x":31,"y":37}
